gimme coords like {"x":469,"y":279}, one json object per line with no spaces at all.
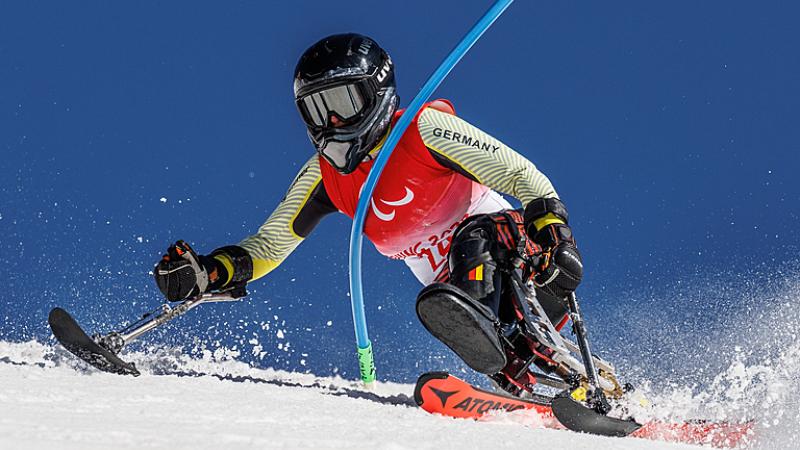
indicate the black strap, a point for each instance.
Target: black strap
{"x":242,"y":268}
{"x":518,"y":255}
{"x":541,"y":207}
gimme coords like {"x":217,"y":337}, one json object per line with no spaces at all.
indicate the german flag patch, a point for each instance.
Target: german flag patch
{"x":476,"y":274}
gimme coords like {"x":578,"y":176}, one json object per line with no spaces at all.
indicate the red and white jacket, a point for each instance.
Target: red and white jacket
{"x":442,"y":171}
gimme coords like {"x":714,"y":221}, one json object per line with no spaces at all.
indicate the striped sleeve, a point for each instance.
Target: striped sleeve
{"x":484,"y":158}
{"x":298,"y":212}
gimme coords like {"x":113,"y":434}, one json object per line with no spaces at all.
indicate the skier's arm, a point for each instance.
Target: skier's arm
{"x":300,"y":210}
{"x":460,"y":146}
{"x":182,"y":273}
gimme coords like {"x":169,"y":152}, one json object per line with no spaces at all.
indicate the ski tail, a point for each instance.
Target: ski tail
{"x":700,"y":432}
{"x":442,"y":393}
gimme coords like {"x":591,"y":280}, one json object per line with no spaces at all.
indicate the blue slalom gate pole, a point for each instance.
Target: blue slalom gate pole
{"x":366,"y":359}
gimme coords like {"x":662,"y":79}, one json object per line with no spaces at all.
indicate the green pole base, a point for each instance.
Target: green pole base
{"x":366,"y":362}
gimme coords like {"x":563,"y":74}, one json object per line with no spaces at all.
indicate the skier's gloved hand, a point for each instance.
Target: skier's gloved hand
{"x":181,"y":273}
{"x":561,"y":271}
{"x":561,"y":268}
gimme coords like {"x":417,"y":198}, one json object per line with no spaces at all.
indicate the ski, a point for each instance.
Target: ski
{"x":442,"y":393}
{"x":77,"y":342}
{"x":100,"y":351}
{"x":447,"y":395}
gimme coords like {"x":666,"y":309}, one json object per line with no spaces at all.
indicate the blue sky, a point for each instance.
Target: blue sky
{"x":670,"y":131}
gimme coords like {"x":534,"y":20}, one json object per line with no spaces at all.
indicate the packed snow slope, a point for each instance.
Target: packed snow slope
{"x":202,"y":404}
{"x":51,"y":400}
{"x":738,"y":360}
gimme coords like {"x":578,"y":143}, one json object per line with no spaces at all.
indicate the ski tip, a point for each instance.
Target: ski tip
{"x":60,"y":321}
{"x":75,"y":340}
{"x":56,"y":314}
{"x":423,"y":380}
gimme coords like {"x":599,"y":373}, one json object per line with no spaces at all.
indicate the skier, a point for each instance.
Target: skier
{"x":437,"y":206}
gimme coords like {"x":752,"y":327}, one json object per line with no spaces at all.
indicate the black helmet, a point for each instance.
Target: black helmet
{"x":344,"y":88}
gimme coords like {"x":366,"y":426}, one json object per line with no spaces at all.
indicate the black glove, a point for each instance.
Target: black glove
{"x":181,"y":273}
{"x":561,"y":268}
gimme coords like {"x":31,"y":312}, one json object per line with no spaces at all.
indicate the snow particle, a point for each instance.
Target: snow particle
{"x":163,"y":199}
{"x":329,"y":323}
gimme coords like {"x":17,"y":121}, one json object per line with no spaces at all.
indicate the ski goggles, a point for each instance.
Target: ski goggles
{"x":335,"y":106}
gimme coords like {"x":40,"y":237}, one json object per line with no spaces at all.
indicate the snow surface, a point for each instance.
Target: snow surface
{"x":182,"y":403}
{"x":49,"y":399}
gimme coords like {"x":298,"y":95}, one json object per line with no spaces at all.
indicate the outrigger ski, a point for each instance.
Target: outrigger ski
{"x":74,"y":339}
{"x":101,"y":351}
